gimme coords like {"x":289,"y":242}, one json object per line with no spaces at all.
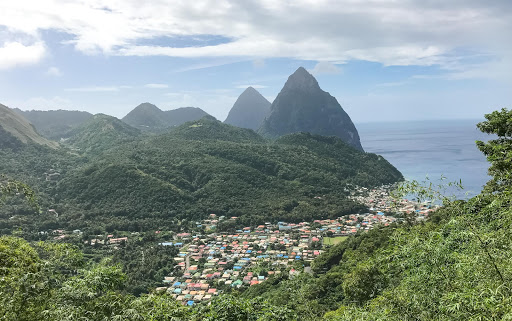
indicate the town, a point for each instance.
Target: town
{"x":210,"y":262}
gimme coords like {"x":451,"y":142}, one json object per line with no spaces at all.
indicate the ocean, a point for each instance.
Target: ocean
{"x":431,"y":148}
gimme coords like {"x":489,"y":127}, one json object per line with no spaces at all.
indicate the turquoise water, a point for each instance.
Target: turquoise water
{"x":431,"y":148}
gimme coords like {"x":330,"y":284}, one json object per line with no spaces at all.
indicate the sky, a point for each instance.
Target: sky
{"x":383,"y":60}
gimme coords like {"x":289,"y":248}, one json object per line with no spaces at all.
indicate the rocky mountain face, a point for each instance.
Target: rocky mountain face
{"x":148,"y":117}
{"x":249,"y":110}
{"x":302,"y":106}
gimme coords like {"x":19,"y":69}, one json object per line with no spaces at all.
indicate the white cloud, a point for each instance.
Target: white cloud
{"x":14,"y":54}
{"x":385,"y":31}
{"x":156,"y":86}
{"x":54,"y":71}
{"x":253,"y":86}
{"x":325,"y":67}
{"x":97,"y":88}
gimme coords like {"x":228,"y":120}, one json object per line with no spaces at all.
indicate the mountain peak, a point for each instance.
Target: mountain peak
{"x":149,"y":117}
{"x":302,"y":106}
{"x":250,"y":89}
{"x":249,"y":110}
{"x":147,"y":107}
{"x":301,"y":79}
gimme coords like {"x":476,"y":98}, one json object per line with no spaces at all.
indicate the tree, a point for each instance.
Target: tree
{"x":498,"y":151}
{"x":10,"y":187}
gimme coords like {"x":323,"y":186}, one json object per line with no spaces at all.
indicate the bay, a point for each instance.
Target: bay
{"x":433,"y":149}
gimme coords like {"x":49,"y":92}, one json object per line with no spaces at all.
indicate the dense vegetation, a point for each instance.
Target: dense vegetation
{"x":208,"y":167}
{"x":100,"y":133}
{"x":110,"y":177}
{"x":454,"y":266}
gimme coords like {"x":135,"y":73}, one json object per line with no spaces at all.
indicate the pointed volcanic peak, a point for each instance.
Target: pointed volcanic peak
{"x":15,"y":130}
{"x":302,"y":106}
{"x":102,"y":132}
{"x":249,"y":110}
{"x":146,"y":117}
{"x":55,"y":124}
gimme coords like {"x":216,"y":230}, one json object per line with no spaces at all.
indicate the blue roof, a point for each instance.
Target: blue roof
{"x":179,"y":244}
{"x":279,"y":255}
{"x":380,"y":213}
{"x":246,"y":258}
{"x":190,"y":302}
{"x":248,"y":251}
{"x":286,"y":256}
{"x":297,"y":257}
{"x":223,"y":248}
{"x":237,"y":267}
{"x":177,"y":284}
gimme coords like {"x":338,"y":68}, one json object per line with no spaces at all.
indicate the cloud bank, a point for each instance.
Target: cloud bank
{"x":408,"y":32}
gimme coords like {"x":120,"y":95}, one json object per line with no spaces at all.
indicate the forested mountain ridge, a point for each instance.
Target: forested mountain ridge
{"x":55,"y":124}
{"x":148,"y":117}
{"x":249,"y":110}
{"x":302,"y":106}
{"x":209,"y":167}
{"x":101,"y":132}
{"x":16,"y":128}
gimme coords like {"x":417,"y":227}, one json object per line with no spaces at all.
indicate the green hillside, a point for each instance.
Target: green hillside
{"x":208,"y":167}
{"x":55,"y":124}
{"x":19,"y":128}
{"x":101,"y":132}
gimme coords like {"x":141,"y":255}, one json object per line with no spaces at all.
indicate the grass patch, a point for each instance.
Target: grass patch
{"x":334,"y":240}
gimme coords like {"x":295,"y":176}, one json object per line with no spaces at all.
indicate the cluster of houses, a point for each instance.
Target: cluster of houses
{"x":209,"y":264}
{"x":379,"y":200}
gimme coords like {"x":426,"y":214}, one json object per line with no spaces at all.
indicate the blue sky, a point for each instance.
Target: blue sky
{"x":383,"y":60}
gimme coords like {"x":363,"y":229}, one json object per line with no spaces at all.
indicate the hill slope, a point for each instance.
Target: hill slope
{"x":148,"y":117}
{"x":249,"y":110}
{"x":208,"y":128}
{"x":209,"y":167}
{"x":100,"y":133}
{"x":19,"y":128}
{"x":302,"y":106}
{"x":55,"y":124}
